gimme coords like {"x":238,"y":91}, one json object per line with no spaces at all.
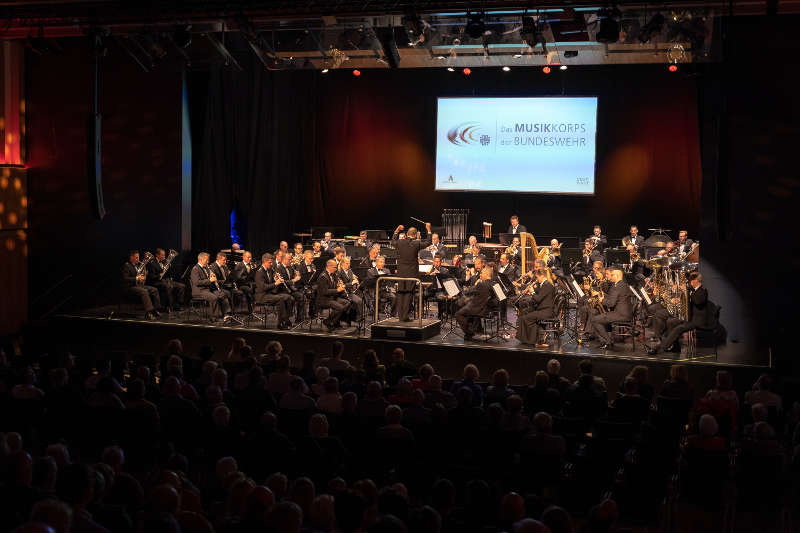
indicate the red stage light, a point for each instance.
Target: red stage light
{"x":356,"y":73}
{"x":546,"y":70}
{"x":673,"y":68}
{"x":467,"y":71}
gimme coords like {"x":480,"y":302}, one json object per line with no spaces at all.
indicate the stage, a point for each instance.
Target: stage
{"x":447,"y":351}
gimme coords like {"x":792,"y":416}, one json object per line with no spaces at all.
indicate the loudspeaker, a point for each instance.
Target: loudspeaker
{"x":93,"y":167}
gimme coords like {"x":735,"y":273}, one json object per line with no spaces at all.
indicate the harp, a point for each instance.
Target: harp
{"x":529,"y":251}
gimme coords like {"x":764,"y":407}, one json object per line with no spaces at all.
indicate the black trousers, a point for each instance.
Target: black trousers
{"x":217,"y":300}
{"x":338,"y":307}
{"x":464,"y":317}
{"x":405,"y":291}
{"x":147,"y":294}
{"x":356,"y":307}
{"x":660,"y":318}
{"x":675,"y":328}
{"x":248,"y":293}
{"x":528,"y":327}
{"x":172,"y":292}
{"x":601,"y":321}
{"x":283,"y":304}
{"x":299,"y":299}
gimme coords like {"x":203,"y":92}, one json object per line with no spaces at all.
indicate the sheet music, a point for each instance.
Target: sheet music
{"x":578,"y":289}
{"x":498,"y":291}
{"x":451,"y":287}
{"x":425,"y":269}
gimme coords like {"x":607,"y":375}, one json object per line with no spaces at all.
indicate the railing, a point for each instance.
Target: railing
{"x":396,"y":278}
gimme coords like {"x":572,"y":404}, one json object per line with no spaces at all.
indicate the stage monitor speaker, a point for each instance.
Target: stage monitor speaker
{"x":94,"y":166}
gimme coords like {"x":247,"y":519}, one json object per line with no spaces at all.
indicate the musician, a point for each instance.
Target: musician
{"x":160,"y":277}
{"x":269,"y":291}
{"x":284,"y":247}
{"x":226,"y":283}
{"x":327,"y":242}
{"x":620,"y":309}
{"x":515,"y":251}
{"x":338,"y":255}
{"x":516,"y":228}
{"x":306,"y":269}
{"x":508,"y":268}
{"x":633,"y":238}
{"x":385,"y":295}
{"x":205,"y":285}
{"x":436,"y":291}
{"x":291,"y":279}
{"x":669,"y":250}
{"x":554,"y":258}
{"x":684,"y":244}
{"x":472,"y":274}
{"x":297,"y":253}
{"x":316,"y":249}
{"x":436,"y":246}
{"x":472,"y":241}
{"x":408,"y":266}
{"x":133,"y":283}
{"x":535,"y":307}
{"x":698,"y":311}
{"x":372,"y":255}
{"x":598,"y":239}
{"x":244,"y":272}
{"x":351,"y":283}
{"x":597,"y":282}
{"x":477,"y":300}
{"x":362,"y":239}
{"x":331,"y":294}
{"x":590,"y":255}
{"x":637,"y":269}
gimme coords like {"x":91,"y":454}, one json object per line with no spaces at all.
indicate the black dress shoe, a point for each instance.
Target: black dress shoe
{"x":468,"y":337}
{"x":284,"y":325}
{"x":149,"y":316}
{"x":156,"y":313}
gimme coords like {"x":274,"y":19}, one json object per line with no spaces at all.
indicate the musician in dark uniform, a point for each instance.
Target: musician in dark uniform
{"x":599,"y":283}
{"x":540,"y":305}
{"x":385,"y":295}
{"x":351,"y":283}
{"x":362,"y":240}
{"x":516,"y":228}
{"x":554,"y":259}
{"x":589,"y":256}
{"x":244,"y":272}
{"x":291,"y":278}
{"x":515,"y":251}
{"x":408,"y":265}
{"x":133,"y":283}
{"x":269,"y":291}
{"x":436,"y":246}
{"x":618,"y":301}
{"x":308,"y":280}
{"x":698,"y":312}
{"x":331,"y":295}
{"x":161,"y":275}
{"x":204,"y":285}
{"x":436,"y":291}
{"x":684,"y":244}
{"x":477,"y":300}
{"x":472,"y":274}
{"x":633,"y":238}
{"x":508,"y":268}
{"x":227,"y":285}
{"x":638,"y":270}
{"x":599,"y":240}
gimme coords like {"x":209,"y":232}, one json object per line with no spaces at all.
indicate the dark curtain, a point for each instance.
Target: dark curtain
{"x":257,"y":156}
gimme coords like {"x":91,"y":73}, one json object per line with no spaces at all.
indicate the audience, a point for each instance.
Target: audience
{"x":266,"y":447}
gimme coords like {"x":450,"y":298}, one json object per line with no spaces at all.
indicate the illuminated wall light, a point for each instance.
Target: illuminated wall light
{"x":4,"y":183}
{"x":324,"y":71}
{"x":673,"y":68}
{"x":506,"y":68}
{"x":23,"y":202}
{"x":21,"y":235}
{"x":467,"y":71}
{"x":546,"y":70}
{"x":10,"y":244}
{"x":563,"y":67}
{"x":356,"y":72}
{"x":2,"y":208}
{"x":450,"y":69}
{"x":12,"y":218}
{"x":17,"y":184}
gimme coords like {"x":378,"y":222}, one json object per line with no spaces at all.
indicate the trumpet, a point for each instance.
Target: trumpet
{"x":511,"y":250}
{"x":278,"y":279}
{"x":355,"y":282}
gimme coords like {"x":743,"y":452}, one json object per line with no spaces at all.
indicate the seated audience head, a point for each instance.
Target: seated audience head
{"x":471,"y":373}
{"x":318,"y":425}
{"x":278,"y":483}
{"x":543,"y":422}
{"x":500,"y":378}
{"x":708,"y":426}
{"x":553,"y":367}
{"x":286,"y":517}
{"x":724,"y":380}
{"x":760,"y":412}
{"x":224,"y":467}
{"x":398,"y":354}
{"x":679,"y":373}
{"x":322,"y":513}
{"x":630,"y":385}
{"x":541,"y":379}
{"x":557,"y":519}
{"x":54,"y":513}
{"x":393,"y":415}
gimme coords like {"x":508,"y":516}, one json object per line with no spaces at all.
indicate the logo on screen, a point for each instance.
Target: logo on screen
{"x":468,"y":133}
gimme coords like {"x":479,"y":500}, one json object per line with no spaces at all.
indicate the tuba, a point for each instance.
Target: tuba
{"x":140,"y":268}
{"x":172,"y":255}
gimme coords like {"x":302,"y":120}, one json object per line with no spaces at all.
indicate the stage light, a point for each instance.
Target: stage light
{"x":546,"y":70}
{"x":451,"y":69}
{"x":506,"y":68}
{"x":467,"y":71}
{"x":324,"y":71}
{"x":475,"y":25}
{"x":356,"y":72}
{"x":441,"y":57}
{"x":563,"y":67}
{"x":673,"y":68}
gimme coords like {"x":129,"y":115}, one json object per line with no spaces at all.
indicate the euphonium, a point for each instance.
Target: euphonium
{"x":141,"y":266}
{"x":172,"y":255}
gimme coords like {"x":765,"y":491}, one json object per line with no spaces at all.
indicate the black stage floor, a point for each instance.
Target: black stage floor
{"x":447,"y":351}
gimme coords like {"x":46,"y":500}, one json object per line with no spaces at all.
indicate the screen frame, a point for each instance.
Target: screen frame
{"x":503,"y":191}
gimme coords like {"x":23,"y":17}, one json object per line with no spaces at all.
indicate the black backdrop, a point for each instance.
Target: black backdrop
{"x":300,"y":148}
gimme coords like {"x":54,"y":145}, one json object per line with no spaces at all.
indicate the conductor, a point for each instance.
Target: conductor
{"x":408,"y":265}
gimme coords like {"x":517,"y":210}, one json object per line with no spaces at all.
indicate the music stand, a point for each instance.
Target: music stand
{"x":570,"y":256}
{"x":452,"y":288}
{"x":506,"y":238}
{"x":426,"y":256}
{"x":357,"y":252}
{"x":617,"y":257}
{"x":377,"y":235}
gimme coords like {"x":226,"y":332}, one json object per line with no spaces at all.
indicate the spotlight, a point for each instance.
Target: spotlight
{"x":546,"y":70}
{"x":609,"y":25}
{"x":467,"y":71}
{"x":324,"y":71}
{"x":563,"y":67}
{"x":450,"y":69}
{"x":506,"y":68}
{"x":475,"y":25}
{"x":673,"y":68}
{"x":356,"y":72}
